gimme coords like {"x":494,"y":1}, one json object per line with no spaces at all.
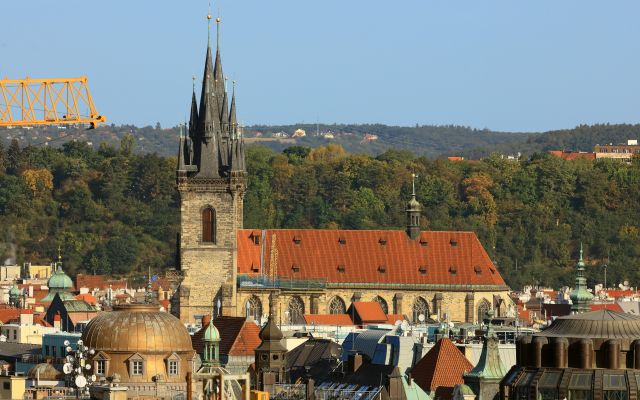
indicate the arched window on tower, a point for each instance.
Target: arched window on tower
{"x":483,"y":307}
{"x":209,"y":225}
{"x":296,"y":310}
{"x":337,"y":306}
{"x":420,"y":307}
{"x":383,"y":304}
{"x":253,"y":308}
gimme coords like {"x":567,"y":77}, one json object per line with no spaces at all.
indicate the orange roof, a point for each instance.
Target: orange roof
{"x":238,"y":337}
{"x":441,"y":368}
{"x":393,"y":318}
{"x":76,"y":317}
{"x":620,"y":292}
{"x":328,"y":319}
{"x":573,"y":155}
{"x":606,"y":306}
{"x":9,"y":314}
{"x":455,"y":158}
{"x":166,"y":304}
{"x":87,"y":297}
{"x":369,"y":311}
{"x":387,"y":257}
{"x":99,"y":282}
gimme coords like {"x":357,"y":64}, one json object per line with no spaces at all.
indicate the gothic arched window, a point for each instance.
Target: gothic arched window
{"x":383,"y":304}
{"x":209,"y":225}
{"x":483,"y":307}
{"x":296,"y":310}
{"x":337,"y":306}
{"x":253,"y":308}
{"x":420,"y":307}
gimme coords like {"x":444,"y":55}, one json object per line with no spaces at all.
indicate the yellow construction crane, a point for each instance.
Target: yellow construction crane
{"x":26,"y":102}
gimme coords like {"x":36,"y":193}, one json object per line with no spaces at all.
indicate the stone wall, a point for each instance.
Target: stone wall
{"x":207,"y":266}
{"x":452,"y":303}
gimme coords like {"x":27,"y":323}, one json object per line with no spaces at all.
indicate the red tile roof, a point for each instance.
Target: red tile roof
{"x":239,"y":337}
{"x":441,"y":368}
{"x":610,"y":306}
{"x":87,"y":297}
{"x":99,"y":282}
{"x":328,"y":319}
{"x":369,"y":312}
{"x":347,"y":256}
{"x":573,"y":155}
{"x":620,"y":293}
{"x":9,"y":314}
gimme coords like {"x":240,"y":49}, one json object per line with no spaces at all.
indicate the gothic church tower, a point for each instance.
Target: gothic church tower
{"x":211,"y":181}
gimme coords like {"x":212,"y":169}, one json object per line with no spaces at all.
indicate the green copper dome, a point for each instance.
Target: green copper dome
{"x":580,"y":296}
{"x":211,"y":334}
{"x":14,"y":291}
{"x":59,"y":280}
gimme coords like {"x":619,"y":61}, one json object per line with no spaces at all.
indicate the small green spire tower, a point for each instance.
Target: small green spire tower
{"x":579,"y":296}
{"x":413,"y":212}
{"x":211,"y":348}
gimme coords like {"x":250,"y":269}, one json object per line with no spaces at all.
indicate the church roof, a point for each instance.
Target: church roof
{"x":238,"y":337}
{"x":368,"y":256}
{"x":442,"y":367}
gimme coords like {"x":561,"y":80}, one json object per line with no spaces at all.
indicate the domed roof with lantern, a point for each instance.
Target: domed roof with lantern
{"x":59,"y":283}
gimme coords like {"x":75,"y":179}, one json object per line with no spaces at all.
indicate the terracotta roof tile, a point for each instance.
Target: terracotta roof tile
{"x":99,"y":282}
{"x":238,"y":336}
{"x":610,"y":306}
{"x":328,"y":319}
{"x":369,"y":312}
{"x":573,"y":155}
{"x":87,"y":297}
{"x":441,"y":368}
{"x":9,"y":314}
{"x":317,"y":253}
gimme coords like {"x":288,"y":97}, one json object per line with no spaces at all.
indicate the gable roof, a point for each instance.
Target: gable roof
{"x":372,"y":256}
{"x":369,"y":312}
{"x":9,"y":314}
{"x":239,"y":337}
{"x":606,"y":306}
{"x":442,"y":367}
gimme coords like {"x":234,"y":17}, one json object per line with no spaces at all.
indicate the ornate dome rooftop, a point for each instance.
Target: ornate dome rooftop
{"x":14,"y":291}
{"x":211,"y":334}
{"x":601,"y":324}
{"x":60,"y":281}
{"x":137,"y":328}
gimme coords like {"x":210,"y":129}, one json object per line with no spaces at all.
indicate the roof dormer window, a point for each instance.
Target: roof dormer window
{"x":453,"y":242}
{"x":295,"y":268}
{"x":342,"y":240}
{"x":383,"y":241}
{"x":341,"y":268}
{"x":382,"y":269}
{"x":422,"y":270}
{"x":297,"y":239}
{"x":453,"y":270}
{"x":477,"y":270}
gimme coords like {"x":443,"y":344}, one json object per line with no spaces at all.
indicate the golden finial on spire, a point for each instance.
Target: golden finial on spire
{"x":209,"y":24}
{"x":59,"y":253}
{"x":413,"y":183}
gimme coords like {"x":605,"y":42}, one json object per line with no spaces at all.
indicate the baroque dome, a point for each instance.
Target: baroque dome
{"x":60,"y":280}
{"x":137,"y":328}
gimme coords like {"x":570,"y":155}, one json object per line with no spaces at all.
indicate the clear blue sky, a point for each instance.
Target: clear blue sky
{"x":504,"y":65}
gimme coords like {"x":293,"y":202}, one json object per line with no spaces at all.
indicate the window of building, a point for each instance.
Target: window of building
{"x":101,"y":367}
{"x":46,"y":350}
{"x":173,"y":367}
{"x":420,"y":307}
{"x":209,"y":225}
{"x":580,"y":386}
{"x":548,"y":385}
{"x":614,"y":386}
{"x":296,"y":310}
{"x":6,"y":385}
{"x":482,"y":310}
{"x":383,"y":304}
{"x":53,"y":351}
{"x":15,"y":334}
{"x":524,"y":386}
{"x":337,"y":306}
{"x":136,"y":368}
{"x":254,"y":308}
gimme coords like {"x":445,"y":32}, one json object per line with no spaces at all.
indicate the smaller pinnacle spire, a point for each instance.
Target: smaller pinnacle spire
{"x":218,"y":30}
{"x":209,"y":25}
{"x":413,"y":184}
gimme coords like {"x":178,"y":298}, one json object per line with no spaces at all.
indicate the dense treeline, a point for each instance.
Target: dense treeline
{"x":113,"y":211}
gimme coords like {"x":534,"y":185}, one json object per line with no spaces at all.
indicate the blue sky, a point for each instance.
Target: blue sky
{"x":503,"y":65}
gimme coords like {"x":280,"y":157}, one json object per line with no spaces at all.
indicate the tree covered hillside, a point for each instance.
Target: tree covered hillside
{"x":114,"y":211}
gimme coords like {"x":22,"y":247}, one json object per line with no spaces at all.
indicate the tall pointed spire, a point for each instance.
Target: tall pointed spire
{"x":580,"y":297}
{"x":206,"y":149}
{"x":181,"y":153}
{"x":233,"y":123}
{"x":413,"y":212}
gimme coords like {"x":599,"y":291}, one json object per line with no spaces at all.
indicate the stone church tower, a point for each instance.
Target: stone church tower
{"x":211,"y":181}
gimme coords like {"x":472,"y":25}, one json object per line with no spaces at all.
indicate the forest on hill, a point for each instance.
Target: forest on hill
{"x":422,"y":140}
{"x":113,"y":210}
